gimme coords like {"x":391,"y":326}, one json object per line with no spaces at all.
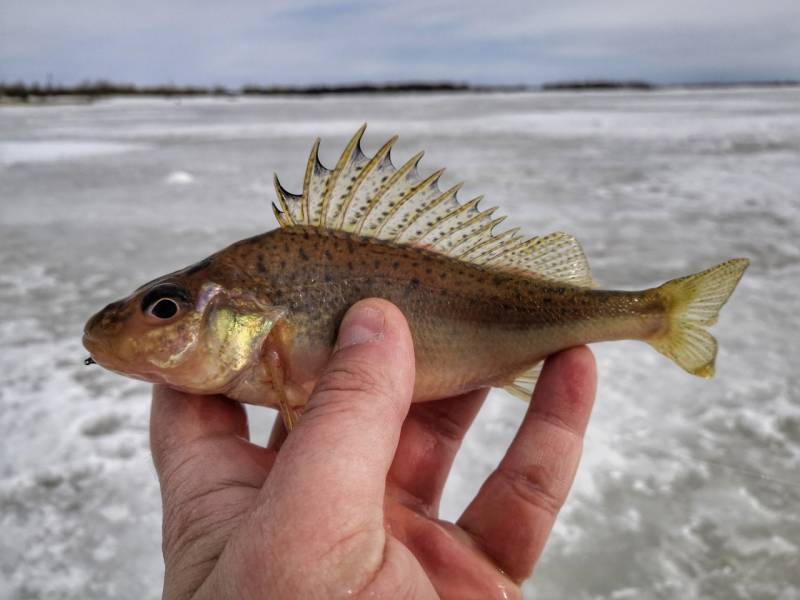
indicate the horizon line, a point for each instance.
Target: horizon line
{"x":102,"y":87}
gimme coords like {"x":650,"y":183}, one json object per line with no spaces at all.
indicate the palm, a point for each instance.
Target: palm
{"x":227,"y":473}
{"x":214,"y":483}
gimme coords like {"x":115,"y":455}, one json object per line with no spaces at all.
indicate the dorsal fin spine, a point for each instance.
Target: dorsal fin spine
{"x":452,"y":214}
{"x":281,"y":193}
{"x":352,"y":145}
{"x":313,"y":159}
{"x":449,"y":240}
{"x":379,"y":156}
{"x":443,"y":197}
{"x":401,"y":172}
{"x":430,"y":180}
{"x":511,"y":249}
{"x":450,"y":236}
{"x":486,"y":228}
{"x":280,"y":217}
{"x":508,"y":236}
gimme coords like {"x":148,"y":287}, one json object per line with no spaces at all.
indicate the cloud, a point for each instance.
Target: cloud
{"x":319,"y":41}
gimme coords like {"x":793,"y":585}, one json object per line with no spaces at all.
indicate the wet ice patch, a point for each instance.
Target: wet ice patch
{"x":52,"y":150}
{"x":179,"y":178}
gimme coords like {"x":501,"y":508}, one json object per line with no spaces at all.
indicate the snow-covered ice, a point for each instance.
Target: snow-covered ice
{"x":687,"y":489}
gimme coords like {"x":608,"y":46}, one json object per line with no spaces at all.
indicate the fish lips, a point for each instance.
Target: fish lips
{"x":95,"y":347}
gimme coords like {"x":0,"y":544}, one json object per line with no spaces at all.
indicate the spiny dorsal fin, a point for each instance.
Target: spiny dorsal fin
{"x":373,"y":198}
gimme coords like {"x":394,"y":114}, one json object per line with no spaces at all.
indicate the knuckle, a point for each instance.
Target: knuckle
{"x":558,"y":422}
{"x":533,"y":485}
{"x":352,"y":377}
{"x":441,"y":423}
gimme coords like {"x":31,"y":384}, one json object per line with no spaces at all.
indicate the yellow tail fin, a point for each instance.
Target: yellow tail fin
{"x":693,"y":303}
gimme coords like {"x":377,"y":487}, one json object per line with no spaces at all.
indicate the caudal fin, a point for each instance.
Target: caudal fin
{"x":693,"y":303}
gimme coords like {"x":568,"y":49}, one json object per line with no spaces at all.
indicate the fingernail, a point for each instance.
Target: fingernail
{"x":361,"y":325}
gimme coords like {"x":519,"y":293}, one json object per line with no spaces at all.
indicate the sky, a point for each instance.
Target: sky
{"x":305,"y":42}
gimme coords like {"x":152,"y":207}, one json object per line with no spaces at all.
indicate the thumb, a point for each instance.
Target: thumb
{"x":322,"y":504}
{"x":341,"y":450}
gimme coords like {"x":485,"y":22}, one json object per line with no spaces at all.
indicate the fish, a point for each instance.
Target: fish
{"x":257,"y":321}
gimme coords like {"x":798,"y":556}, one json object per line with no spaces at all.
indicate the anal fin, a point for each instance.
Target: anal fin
{"x":523,"y":384}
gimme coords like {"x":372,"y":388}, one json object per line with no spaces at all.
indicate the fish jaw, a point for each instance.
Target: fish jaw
{"x":212,"y":343}
{"x":121,"y":343}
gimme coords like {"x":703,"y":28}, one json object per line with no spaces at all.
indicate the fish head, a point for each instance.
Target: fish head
{"x":184,"y":331}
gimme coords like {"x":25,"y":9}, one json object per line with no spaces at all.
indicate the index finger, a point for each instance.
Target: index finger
{"x":513,"y":513}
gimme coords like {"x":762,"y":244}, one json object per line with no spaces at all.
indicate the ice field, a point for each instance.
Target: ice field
{"x":687,"y":489}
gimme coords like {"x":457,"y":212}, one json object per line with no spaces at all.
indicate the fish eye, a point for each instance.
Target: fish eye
{"x":164,"y":308}
{"x":164,"y":301}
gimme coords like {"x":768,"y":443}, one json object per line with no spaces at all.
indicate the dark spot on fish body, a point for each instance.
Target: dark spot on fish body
{"x":395,"y":265}
{"x":412,"y":286}
{"x":328,"y":255}
{"x":303,"y":254}
{"x":306,"y":235}
{"x":349,"y":265}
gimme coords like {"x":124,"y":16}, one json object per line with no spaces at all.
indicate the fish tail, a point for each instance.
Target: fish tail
{"x":693,"y":303}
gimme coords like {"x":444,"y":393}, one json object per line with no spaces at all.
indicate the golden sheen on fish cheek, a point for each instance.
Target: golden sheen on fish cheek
{"x":234,"y":337}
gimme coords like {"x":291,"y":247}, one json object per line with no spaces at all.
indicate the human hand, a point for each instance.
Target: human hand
{"x":347,"y":504}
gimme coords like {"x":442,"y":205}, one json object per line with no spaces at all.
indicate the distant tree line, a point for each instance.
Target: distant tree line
{"x":98,"y":89}
{"x":20,"y":91}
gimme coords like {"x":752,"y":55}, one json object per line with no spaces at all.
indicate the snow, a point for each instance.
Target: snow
{"x":687,"y":488}
{"x":50,"y":150}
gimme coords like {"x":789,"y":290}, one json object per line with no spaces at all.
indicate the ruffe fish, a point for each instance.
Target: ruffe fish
{"x":257,"y":320}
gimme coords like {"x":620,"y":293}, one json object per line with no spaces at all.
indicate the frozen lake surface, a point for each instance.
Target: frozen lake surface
{"x":687,"y":489}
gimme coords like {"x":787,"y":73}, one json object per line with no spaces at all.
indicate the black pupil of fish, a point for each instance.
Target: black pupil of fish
{"x":164,"y":309}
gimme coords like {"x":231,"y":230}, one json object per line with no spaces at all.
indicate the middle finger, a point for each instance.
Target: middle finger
{"x":429,"y":441}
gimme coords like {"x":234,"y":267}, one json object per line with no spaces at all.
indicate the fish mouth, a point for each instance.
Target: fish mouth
{"x":98,"y":351}
{"x":101,"y":353}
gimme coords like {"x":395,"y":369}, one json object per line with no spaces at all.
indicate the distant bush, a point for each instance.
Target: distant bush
{"x":598,"y":84}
